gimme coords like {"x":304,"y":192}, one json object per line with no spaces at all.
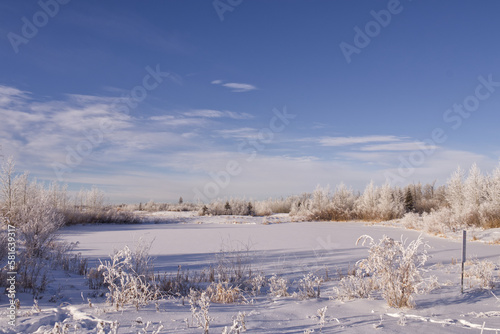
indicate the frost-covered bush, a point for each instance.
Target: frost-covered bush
{"x":125,"y":284}
{"x":59,"y":328}
{"x":257,"y":281}
{"x":412,"y":221}
{"x":396,"y":268}
{"x":278,"y":286}
{"x":4,"y":250}
{"x":355,"y":286}
{"x":200,"y":306}
{"x":309,"y":286}
{"x":238,"y":326}
{"x":481,"y":273}
{"x":321,"y":317}
{"x":37,"y":223}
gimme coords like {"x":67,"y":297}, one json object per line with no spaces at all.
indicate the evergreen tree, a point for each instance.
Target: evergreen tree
{"x":249,"y":209}
{"x":409,"y":206}
{"x":181,"y":200}
{"x":227,"y":207}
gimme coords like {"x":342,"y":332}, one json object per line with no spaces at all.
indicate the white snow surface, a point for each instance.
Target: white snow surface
{"x":276,"y":246}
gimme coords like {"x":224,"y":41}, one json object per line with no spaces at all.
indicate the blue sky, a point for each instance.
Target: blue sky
{"x":74,"y":104}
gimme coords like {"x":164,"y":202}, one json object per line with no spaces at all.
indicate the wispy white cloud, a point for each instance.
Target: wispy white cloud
{"x":210,"y":113}
{"x":239,"y":133}
{"x":10,"y":95}
{"x":239,"y":87}
{"x":346,"y":141}
{"x":238,"y":115}
{"x":175,"y":121}
{"x":405,"y":146}
{"x":235,"y":86}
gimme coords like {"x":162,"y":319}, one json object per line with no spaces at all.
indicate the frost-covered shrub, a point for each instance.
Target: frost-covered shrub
{"x":278,"y":286}
{"x":321,"y":317}
{"x":309,"y":286}
{"x":257,"y":281}
{"x":59,"y":328}
{"x":396,"y":268}
{"x":481,"y":273}
{"x":38,"y":229}
{"x":125,"y":284}
{"x":412,"y":221}
{"x":95,"y":278}
{"x":272,"y":206}
{"x":200,"y":306}
{"x":441,"y":221}
{"x":3,"y":239}
{"x":355,"y":286}
{"x":238,"y":326}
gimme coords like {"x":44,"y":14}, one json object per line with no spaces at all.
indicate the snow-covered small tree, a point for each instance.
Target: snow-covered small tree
{"x":95,"y":199}
{"x":474,"y":195}
{"x":367,"y":204}
{"x":390,"y":205}
{"x":343,"y":201}
{"x":455,"y":191}
{"x":7,"y":184}
{"x":38,"y":221}
{"x":490,"y":208}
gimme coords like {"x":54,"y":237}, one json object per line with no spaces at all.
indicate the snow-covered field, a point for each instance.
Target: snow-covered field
{"x":273,"y":245}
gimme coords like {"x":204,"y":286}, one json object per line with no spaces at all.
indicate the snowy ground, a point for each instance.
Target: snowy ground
{"x":276,"y":245}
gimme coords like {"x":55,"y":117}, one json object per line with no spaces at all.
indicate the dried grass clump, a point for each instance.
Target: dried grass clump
{"x":224,"y":293}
